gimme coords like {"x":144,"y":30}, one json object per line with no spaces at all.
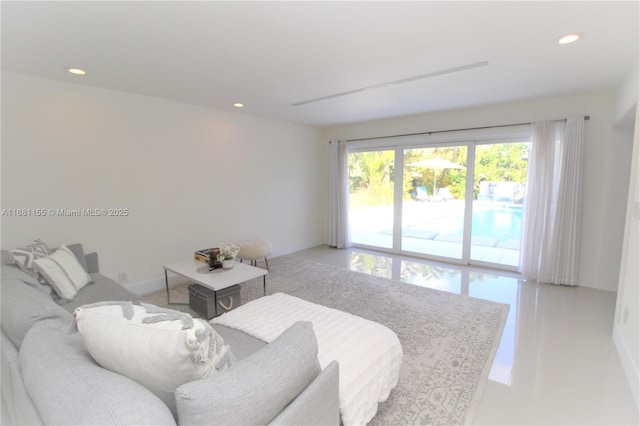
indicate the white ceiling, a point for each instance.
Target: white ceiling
{"x":270,"y":55}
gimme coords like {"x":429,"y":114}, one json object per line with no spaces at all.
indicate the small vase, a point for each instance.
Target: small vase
{"x":227,"y":263}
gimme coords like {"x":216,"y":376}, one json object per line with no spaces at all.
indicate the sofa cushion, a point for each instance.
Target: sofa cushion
{"x":241,"y":343}
{"x":99,"y":289}
{"x":63,"y":272}
{"x":68,"y":387}
{"x":158,"y":348}
{"x":12,"y":272}
{"x":20,"y":409}
{"x":22,"y":306}
{"x":255,"y":390}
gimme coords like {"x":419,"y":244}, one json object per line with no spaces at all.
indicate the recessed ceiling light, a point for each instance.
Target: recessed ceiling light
{"x":569,"y":38}
{"x":238,"y":105}
{"x":76,"y":71}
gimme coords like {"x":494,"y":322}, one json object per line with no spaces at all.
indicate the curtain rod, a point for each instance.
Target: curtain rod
{"x":586,"y":117}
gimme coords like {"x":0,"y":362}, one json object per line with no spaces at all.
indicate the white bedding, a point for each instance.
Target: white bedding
{"x":369,"y":353}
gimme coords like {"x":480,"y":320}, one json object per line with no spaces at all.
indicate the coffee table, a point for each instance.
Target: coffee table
{"x":216,"y":279}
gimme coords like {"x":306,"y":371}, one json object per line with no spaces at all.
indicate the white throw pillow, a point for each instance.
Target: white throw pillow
{"x":63,"y":272}
{"x":159,"y":348}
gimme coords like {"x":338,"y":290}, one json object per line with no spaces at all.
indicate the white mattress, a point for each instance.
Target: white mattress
{"x":369,"y":353}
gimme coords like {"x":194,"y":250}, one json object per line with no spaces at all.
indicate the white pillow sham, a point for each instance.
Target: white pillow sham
{"x":63,"y":272}
{"x":159,"y":348}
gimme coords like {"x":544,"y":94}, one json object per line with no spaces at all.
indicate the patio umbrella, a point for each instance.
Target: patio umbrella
{"x":436,"y":164}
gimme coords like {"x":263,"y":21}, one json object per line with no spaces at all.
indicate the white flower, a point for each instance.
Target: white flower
{"x":229,"y":251}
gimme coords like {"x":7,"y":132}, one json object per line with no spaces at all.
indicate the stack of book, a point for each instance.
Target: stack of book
{"x":204,"y":256}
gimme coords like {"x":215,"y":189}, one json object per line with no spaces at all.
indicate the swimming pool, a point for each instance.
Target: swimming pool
{"x":503,"y":222}
{"x":492,"y":224}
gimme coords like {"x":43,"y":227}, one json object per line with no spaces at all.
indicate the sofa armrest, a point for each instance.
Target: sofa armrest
{"x":20,"y":409}
{"x":318,"y":404}
{"x":257,"y":389}
{"x":93,"y":267}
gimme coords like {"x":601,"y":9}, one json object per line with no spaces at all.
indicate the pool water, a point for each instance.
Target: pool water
{"x":491,"y":225}
{"x":504,"y":223}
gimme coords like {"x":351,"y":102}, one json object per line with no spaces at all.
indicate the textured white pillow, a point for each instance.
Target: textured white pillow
{"x":159,"y":348}
{"x":63,"y":272}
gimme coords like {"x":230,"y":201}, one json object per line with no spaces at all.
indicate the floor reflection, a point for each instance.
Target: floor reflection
{"x":458,"y":280}
{"x":378,"y":265}
{"x":556,"y":363}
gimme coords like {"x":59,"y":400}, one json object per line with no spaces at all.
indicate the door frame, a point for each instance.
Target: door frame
{"x":468,"y":138}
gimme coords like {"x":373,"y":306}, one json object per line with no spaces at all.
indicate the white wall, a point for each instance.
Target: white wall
{"x":626,"y":327}
{"x":191,"y":177}
{"x":597,"y":239}
{"x":627,"y":97}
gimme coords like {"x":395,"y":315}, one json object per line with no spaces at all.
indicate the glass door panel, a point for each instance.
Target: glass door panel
{"x":499,"y":189}
{"x":371,"y":209}
{"x":433,"y":202}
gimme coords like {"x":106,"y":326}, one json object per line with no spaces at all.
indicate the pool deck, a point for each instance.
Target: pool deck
{"x":372,"y":226}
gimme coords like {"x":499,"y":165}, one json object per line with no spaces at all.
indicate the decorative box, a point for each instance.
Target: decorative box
{"x":210,"y":303}
{"x":227,"y":299}
{"x":202,"y":300}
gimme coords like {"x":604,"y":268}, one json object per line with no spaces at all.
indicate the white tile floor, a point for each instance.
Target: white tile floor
{"x":556,"y":363}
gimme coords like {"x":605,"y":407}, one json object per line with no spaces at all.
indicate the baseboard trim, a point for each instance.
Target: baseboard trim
{"x":630,"y":371}
{"x":147,"y":287}
{"x":292,"y":248}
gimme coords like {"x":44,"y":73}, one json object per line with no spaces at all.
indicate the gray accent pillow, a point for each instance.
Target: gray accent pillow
{"x":68,"y":387}
{"x":78,"y":251}
{"x":24,"y":256}
{"x":22,"y":306}
{"x":255,"y":390}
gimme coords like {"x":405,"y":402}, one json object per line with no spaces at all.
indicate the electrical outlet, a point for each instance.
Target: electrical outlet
{"x":636,"y":210}
{"x":625,"y":317}
{"x":123,"y":277}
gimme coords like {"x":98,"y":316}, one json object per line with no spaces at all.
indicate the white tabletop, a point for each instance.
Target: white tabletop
{"x":216,"y":279}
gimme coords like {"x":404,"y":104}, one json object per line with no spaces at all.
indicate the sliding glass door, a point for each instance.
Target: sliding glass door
{"x":371,"y":207}
{"x":433,"y":203}
{"x":500,"y":174}
{"x":455,"y":202}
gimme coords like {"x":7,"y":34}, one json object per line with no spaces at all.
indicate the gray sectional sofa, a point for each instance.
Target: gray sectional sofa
{"x":49,"y":377}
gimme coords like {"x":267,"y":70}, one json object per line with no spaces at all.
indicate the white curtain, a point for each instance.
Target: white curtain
{"x":339,"y":235}
{"x":551,"y":235}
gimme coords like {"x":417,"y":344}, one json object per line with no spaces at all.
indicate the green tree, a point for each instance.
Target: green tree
{"x":373,"y":175}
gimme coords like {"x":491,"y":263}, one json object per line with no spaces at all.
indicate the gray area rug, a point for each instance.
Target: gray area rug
{"x":448,"y":340}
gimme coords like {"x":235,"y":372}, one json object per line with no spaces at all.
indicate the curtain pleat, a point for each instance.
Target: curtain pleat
{"x":551,"y":237}
{"x":339,"y":235}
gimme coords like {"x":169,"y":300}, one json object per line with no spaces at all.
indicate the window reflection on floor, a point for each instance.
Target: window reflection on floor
{"x":503,"y":290}
{"x":378,"y":265}
{"x":556,"y":362}
{"x":430,"y":276}
{"x":454,"y":279}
